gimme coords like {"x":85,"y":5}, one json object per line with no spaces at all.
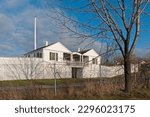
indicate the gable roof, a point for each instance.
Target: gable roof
{"x":58,"y":47}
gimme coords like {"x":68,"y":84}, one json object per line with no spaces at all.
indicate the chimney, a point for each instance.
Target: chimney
{"x":46,"y":43}
{"x":79,"y":49}
{"x":35,"y":33}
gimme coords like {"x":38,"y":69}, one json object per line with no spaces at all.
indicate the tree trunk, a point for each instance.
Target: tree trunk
{"x":127,"y":74}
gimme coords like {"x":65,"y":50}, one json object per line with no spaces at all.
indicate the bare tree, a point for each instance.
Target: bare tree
{"x":117,"y":21}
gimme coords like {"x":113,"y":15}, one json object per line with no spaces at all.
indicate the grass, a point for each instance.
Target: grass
{"x":37,"y":82}
{"x":137,"y":94}
{"x":91,"y":89}
{"x":65,"y":81}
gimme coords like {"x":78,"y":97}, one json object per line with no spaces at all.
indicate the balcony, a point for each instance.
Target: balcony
{"x":76,"y":60}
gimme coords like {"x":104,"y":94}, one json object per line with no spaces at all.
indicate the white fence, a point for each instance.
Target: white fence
{"x":31,"y":68}
{"x":36,"y":68}
{"x":111,"y":71}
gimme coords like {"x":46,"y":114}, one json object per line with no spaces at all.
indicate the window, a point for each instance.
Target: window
{"x":56,"y":56}
{"x":85,"y":59}
{"x":94,"y":61}
{"x":66,"y":56}
{"x":40,"y":55}
{"x":53,"y":56}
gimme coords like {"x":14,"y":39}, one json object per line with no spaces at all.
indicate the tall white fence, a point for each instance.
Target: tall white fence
{"x":36,"y":68}
{"x":20,"y":68}
{"x":31,"y":68}
{"x":111,"y":71}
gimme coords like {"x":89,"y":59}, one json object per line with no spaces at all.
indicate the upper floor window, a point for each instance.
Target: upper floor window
{"x":86,"y":59}
{"x":40,"y":55}
{"x":53,"y":56}
{"x":66,"y":56}
{"x":94,"y":61}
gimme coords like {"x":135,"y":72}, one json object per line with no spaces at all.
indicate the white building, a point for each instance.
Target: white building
{"x":81,"y":64}
{"x":57,"y":61}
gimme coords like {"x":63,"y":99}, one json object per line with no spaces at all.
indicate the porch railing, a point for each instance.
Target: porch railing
{"x":76,"y":63}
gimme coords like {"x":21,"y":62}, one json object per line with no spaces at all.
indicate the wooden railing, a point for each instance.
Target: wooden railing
{"x":76,"y":63}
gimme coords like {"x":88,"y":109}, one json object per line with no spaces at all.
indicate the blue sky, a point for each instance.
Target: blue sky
{"x":16,"y":21}
{"x":16,"y":28}
{"x":143,"y":43}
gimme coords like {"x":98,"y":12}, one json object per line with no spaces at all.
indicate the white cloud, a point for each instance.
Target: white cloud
{"x":18,"y":28}
{"x":6,"y":27}
{"x":25,"y":27}
{"x":14,"y":3}
{"x":6,"y":47}
{"x":142,"y":52}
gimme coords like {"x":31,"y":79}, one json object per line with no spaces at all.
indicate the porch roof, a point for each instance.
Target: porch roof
{"x":76,"y":53}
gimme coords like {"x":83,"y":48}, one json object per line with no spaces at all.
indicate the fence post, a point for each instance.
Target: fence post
{"x":100,"y":71}
{"x":55,"y":84}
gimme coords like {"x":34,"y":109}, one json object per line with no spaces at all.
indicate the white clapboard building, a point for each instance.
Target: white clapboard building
{"x":57,"y":61}
{"x":80,"y":64}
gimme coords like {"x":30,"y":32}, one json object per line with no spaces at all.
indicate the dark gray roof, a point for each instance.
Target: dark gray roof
{"x":84,"y":51}
{"x":39,"y":48}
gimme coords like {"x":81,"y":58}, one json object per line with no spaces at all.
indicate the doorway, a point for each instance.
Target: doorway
{"x":77,"y":72}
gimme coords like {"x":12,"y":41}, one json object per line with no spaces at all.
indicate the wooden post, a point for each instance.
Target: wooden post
{"x":55,"y":83}
{"x":100,"y":72}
